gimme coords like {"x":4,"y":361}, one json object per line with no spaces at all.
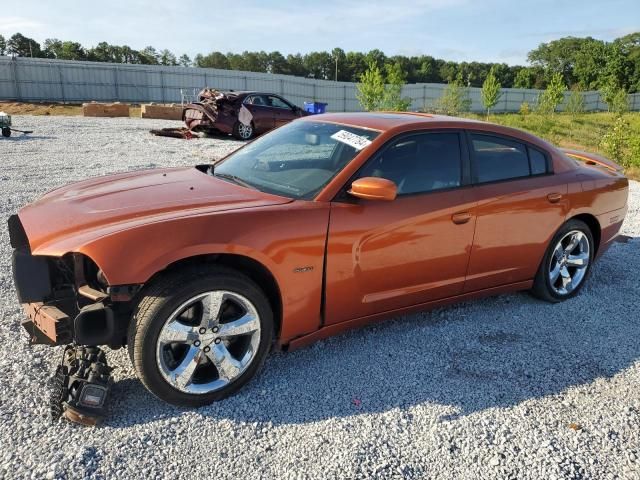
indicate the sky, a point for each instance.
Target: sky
{"x":458,"y":30}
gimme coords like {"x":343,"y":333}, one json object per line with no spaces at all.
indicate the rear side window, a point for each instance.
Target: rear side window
{"x":497,"y":158}
{"x":538,"y":162}
{"x":419,"y":163}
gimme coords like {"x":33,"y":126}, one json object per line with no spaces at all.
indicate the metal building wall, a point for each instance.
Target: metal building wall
{"x":36,"y":79}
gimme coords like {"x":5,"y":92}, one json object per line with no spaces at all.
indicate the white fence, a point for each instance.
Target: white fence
{"x":36,"y":80}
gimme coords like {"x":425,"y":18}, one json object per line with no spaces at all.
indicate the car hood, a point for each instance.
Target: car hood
{"x":92,"y":208}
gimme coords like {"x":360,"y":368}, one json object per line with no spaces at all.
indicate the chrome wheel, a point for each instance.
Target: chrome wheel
{"x":245,"y":131}
{"x":569,"y":262}
{"x":208,"y":342}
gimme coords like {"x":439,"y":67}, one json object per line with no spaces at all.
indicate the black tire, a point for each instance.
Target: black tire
{"x":237,"y":133}
{"x":6,"y":132}
{"x":162,"y":297}
{"x":542,"y":287}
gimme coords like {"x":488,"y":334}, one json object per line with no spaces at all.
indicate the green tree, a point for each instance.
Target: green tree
{"x":184,"y":60}
{"x":559,"y":56}
{"x":392,"y":97}
{"x":525,"y":78}
{"x":553,"y":96}
{"x":491,"y":92}
{"x":277,"y":63}
{"x":54,"y":48}
{"x":23,"y":46}
{"x":370,"y":89}
{"x":3,"y":45}
{"x":168,"y":58}
{"x":150,"y":56}
{"x":454,"y":100}
{"x":212,"y":60}
{"x":575,"y":103}
{"x":615,"y":97}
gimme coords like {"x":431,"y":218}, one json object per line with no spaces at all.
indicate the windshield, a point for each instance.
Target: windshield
{"x":296,"y":160}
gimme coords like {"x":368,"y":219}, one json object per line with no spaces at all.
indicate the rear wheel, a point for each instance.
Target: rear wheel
{"x":199,"y":335}
{"x":6,"y":132}
{"x":566,"y":263}
{"x":242,"y":131}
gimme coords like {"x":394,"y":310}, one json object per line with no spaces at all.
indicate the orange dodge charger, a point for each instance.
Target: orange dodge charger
{"x":328,"y":223}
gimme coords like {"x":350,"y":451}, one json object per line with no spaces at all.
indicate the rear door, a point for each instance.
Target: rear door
{"x":282,"y":111}
{"x":520,"y":205}
{"x":383,"y":256}
{"x":260,"y":111}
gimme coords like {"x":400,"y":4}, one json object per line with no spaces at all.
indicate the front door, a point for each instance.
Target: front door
{"x":383,"y":256}
{"x":282,"y":112}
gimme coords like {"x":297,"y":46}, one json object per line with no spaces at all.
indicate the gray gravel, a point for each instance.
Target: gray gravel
{"x":479,"y":390}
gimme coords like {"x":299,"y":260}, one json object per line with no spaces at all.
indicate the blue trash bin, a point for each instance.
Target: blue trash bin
{"x":315,"y":107}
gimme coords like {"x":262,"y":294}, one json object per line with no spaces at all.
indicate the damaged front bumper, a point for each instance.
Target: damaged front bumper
{"x":62,"y":300}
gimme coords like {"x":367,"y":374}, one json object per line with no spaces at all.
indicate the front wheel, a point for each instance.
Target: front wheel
{"x":566,"y":263}
{"x":6,"y":132}
{"x":198,"y":336}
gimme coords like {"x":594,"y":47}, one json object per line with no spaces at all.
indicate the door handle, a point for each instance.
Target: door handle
{"x":461,"y":217}
{"x":554,"y":197}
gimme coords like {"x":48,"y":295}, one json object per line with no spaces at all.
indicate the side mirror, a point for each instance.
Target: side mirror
{"x":374,"y":188}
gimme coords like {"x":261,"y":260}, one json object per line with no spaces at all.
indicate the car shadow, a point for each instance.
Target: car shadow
{"x":494,"y":353}
{"x":25,"y":137}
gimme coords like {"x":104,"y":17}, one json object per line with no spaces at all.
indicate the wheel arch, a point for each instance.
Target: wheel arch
{"x":248,"y":266}
{"x":594,"y":225}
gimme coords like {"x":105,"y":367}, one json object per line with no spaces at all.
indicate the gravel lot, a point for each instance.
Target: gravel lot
{"x":508,"y":387}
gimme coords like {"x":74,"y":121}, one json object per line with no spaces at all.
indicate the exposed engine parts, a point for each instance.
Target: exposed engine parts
{"x":81,"y":385}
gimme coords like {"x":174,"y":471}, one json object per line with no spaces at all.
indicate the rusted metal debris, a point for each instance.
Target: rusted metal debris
{"x":174,"y":133}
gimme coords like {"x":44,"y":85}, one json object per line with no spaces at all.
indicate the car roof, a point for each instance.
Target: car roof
{"x":407,"y":121}
{"x":384,"y":121}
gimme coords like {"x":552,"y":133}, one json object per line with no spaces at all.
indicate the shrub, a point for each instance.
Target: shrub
{"x":552,"y":97}
{"x":371,"y":88}
{"x":525,"y":109}
{"x":374,"y":94}
{"x":455,"y":99}
{"x":615,"y":141}
{"x":615,"y":97}
{"x":392,"y":97}
{"x":575,"y":104}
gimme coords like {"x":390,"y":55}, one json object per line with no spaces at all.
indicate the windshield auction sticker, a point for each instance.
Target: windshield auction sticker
{"x":351,"y":139}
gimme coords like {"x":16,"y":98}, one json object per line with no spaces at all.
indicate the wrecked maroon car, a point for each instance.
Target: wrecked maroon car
{"x":242,"y":114}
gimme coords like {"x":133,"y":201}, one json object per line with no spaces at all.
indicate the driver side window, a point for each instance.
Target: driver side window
{"x":419,"y":163}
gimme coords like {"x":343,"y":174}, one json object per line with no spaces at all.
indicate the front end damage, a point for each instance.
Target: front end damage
{"x":215,"y":110}
{"x":67,"y":301}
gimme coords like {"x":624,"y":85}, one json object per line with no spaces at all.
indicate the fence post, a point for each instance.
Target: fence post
{"x":162,"y":86}
{"x":61,"y":83}
{"x":14,"y":70}
{"x":344,"y":98}
{"x":424,"y":97}
{"x":115,"y":84}
{"x":506,"y":100}
{"x":246,"y":83}
{"x":281,"y":86}
{"x":314,"y":91}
